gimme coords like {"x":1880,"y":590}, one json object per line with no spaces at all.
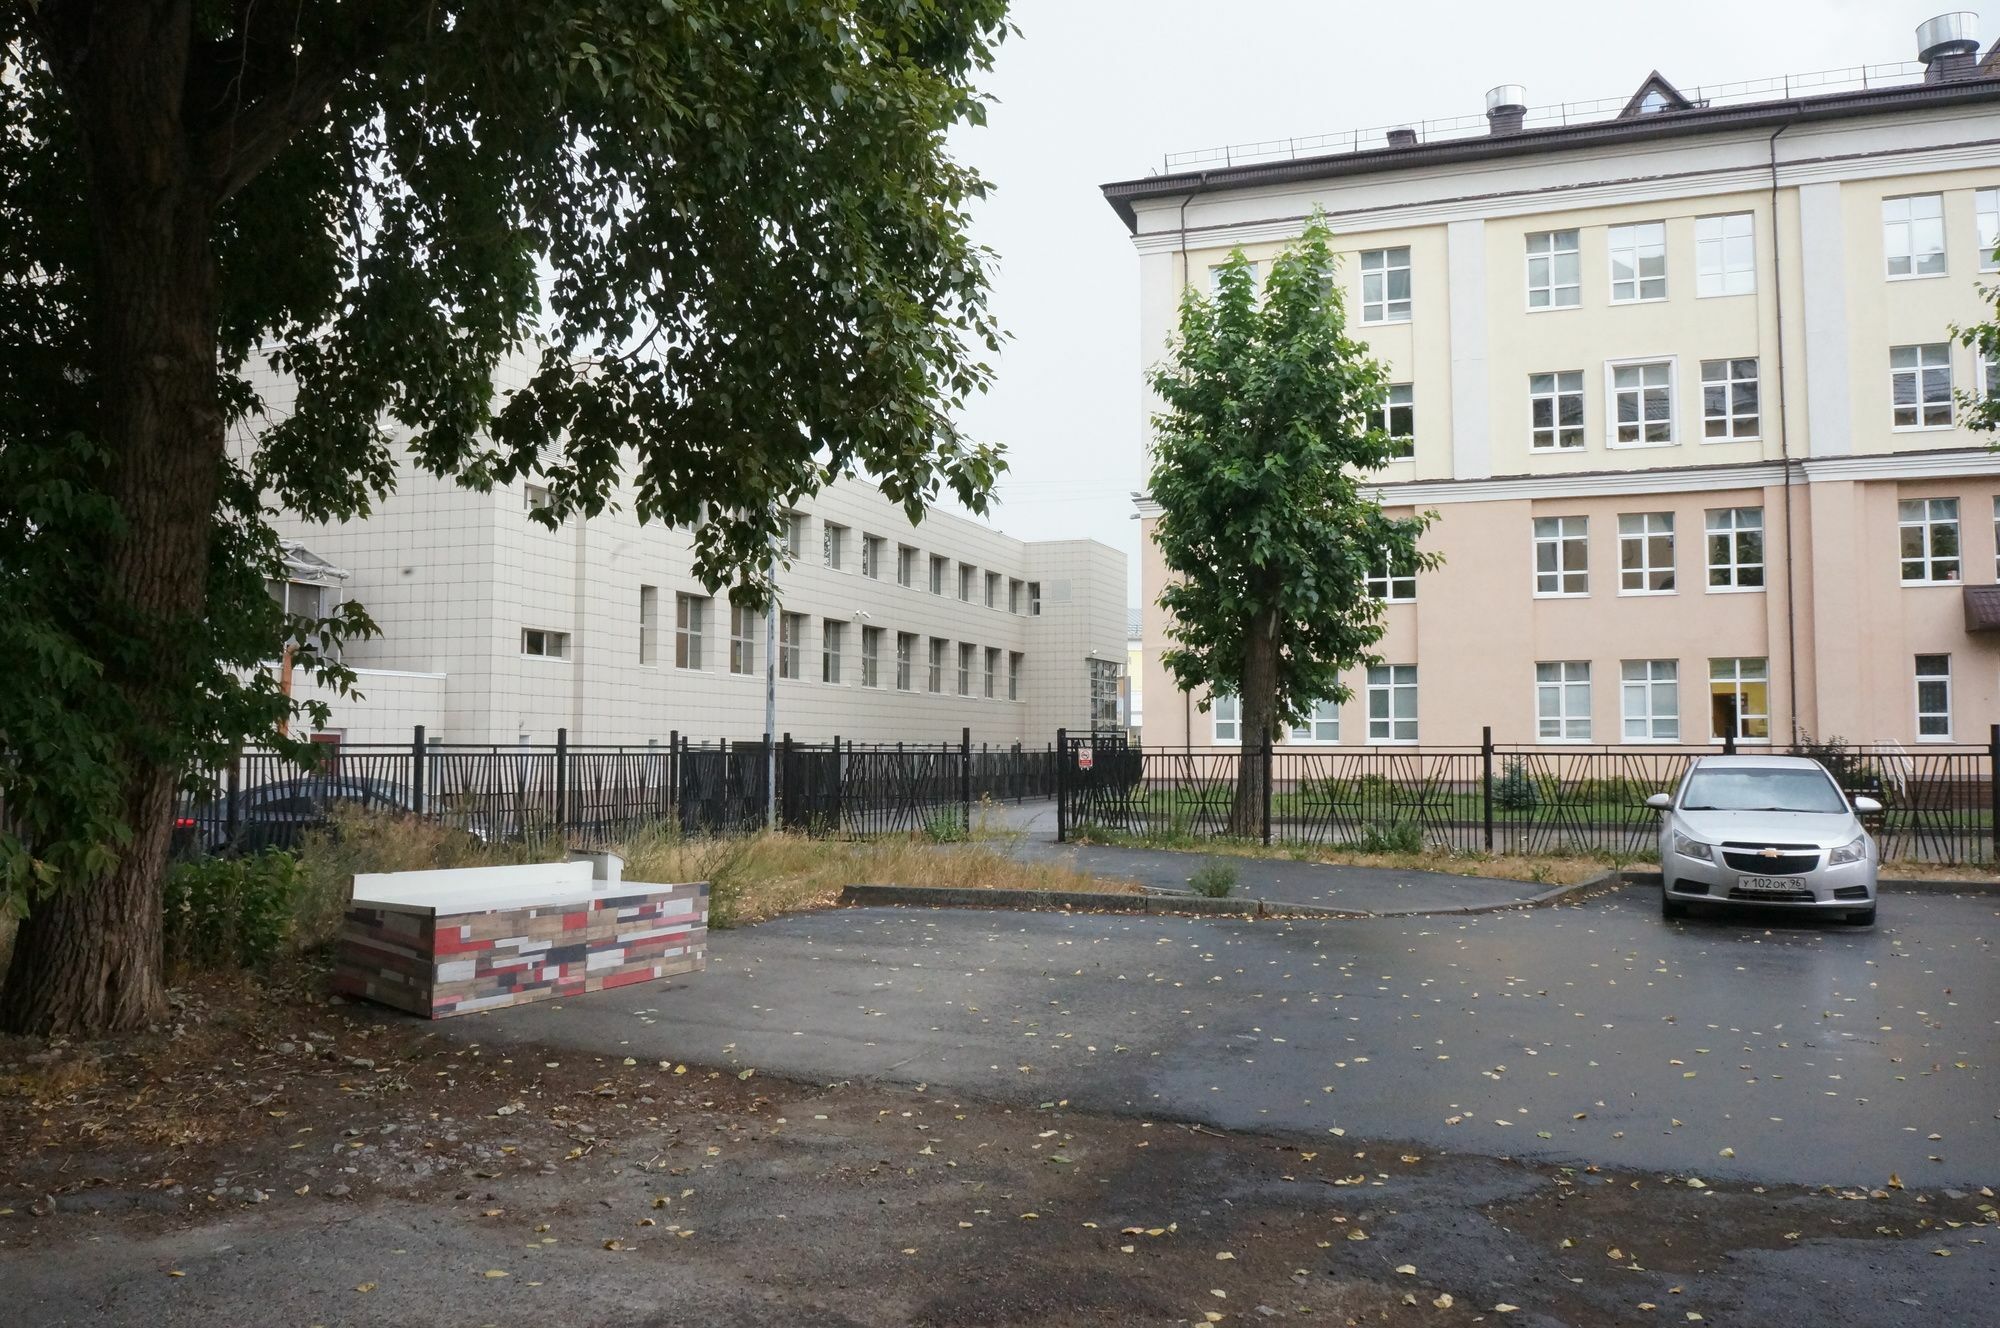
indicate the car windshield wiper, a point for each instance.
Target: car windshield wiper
{"x":1698,"y":807}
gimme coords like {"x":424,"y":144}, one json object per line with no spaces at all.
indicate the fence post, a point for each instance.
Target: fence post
{"x":1486,"y":783}
{"x":1729,"y":743}
{"x":965,"y":776}
{"x":562,"y":780}
{"x":232,"y":788}
{"x":1993,"y":784}
{"x":1268,"y":782}
{"x":674,"y":777}
{"x":1062,"y":785}
{"x":786,"y":816}
{"x":417,"y":770}
{"x":839,"y":786}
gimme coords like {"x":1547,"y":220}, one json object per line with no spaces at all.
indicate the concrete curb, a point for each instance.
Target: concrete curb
{"x":1913,"y":885}
{"x":1542,"y":900}
{"x":946,"y":896}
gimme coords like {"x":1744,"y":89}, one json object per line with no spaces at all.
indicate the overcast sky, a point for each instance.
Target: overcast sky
{"x":1098,"y":90}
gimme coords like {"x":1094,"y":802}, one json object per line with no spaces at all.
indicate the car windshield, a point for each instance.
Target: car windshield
{"x":1748,"y":789}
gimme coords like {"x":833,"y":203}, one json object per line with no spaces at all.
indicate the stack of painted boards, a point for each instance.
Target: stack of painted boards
{"x":440,"y":943}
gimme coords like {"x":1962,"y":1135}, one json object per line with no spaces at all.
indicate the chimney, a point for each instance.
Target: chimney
{"x":1949,"y":46}
{"x":1402,"y":136}
{"x":1506,"y":108}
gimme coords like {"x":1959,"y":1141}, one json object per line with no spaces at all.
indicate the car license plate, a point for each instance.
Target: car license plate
{"x":1766,"y":885}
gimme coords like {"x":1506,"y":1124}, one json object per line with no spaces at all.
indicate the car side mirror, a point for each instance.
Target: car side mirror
{"x":1867,"y":806}
{"x":1660,"y":802}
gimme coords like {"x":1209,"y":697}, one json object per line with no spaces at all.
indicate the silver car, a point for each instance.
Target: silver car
{"x":1765,"y":830}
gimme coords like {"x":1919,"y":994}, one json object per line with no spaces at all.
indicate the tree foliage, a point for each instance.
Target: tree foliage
{"x":726,"y":239}
{"x":1263,"y":450}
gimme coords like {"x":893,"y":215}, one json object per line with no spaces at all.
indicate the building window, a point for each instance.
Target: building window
{"x":1392,"y":703}
{"x":873,"y":547}
{"x":1989,"y":377}
{"x":544,"y":644}
{"x":1652,"y":699}
{"x":1215,"y":278}
{"x":871,"y":657}
{"x":968,"y":656}
{"x":991,"y":678}
{"x":1639,"y":262}
{"x":1562,"y":700}
{"x":833,"y":545}
{"x":1385,"y":285}
{"x":1729,"y":399}
{"x":1934,"y":697}
{"x":1645,"y":553}
{"x":1642,"y":404}
{"x":1562,"y":555}
{"x":906,"y":566}
{"x":833,"y":638}
{"x":992,"y":590}
{"x":968,"y":576}
{"x":1322,"y":725}
{"x":1555,"y":411}
{"x":1014,"y":590}
{"x":1228,"y":713}
{"x":1913,"y":235}
{"x":689,"y":611}
{"x":940,"y":568}
{"x":791,"y":641}
{"x":1996,"y":539}
{"x":1920,"y":386}
{"x":742,"y":639}
{"x":1739,"y":699}
{"x":1397,"y":417}
{"x":1927,"y":530}
{"x":936,"y":678}
{"x":1725,"y":255}
{"x":1105,"y":696}
{"x":1034,"y":599}
{"x":535,"y":498}
{"x":649,"y":625}
{"x":906,"y":660}
{"x":1013,"y":675}
{"x":1392,"y":580}
{"x":795,"y":534}
{"x":1736,"y":548}
{"x":1986,"y":213}
{"x":1555,"y":270}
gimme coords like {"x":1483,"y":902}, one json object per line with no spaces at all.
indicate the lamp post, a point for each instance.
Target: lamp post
{"x":771,"y":691}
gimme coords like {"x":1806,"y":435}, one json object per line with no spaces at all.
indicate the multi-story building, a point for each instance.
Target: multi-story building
{"x":1681,"y":386}
{"x":497,"y":629}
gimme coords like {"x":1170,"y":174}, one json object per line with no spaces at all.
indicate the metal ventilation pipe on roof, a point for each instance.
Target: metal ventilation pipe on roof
{"x":1402,"y":136}
{"x":1506,"y":109}
{"x":1949,"y":46}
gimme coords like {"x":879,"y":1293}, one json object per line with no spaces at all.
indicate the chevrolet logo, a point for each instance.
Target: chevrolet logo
{"x":1768,"y":853}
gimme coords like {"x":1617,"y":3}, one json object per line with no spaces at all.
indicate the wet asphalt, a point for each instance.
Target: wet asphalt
{"x":1760,"y":1048}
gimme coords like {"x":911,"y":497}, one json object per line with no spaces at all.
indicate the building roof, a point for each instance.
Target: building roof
{"x":1694,"y":118}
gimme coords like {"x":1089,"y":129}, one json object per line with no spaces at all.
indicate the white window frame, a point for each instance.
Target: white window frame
{"x":791,"y":645}
{"x":906,"y":566}
{"x":1725,"y":255}
{"x":1642,"y":685}
{"x":1996,"y":537}
{"x":833,"y":545}
{"x":1912,"y":235}
{"x":871,"y":655}
{"x":1934,"y":676}
{"x":1986,"y":226}
{"x":1730,"y":525}
{"x":690,"y":626}
{"x":535,"y":498}
{"x":906,"y":661}
{"x":832,"y":648}
{"x":649,"y":627}
{"x":742,"y":640}
{"x":1932,"y":515}
{"x":940,"y":573}
{"x":1015,"y":660}
{"x":1735,"y":677}
{"x":1560,"y":385}
{"x":1611,"y":390}
{"x":1729,"y":376}
{"x":968,"y":582}
{"x":968,"y":662}
{"x":1638,"y":241}
{"x":795,"y":534}
{"x":1562,"y":700}
{"x":1556,"y":532}
{"x":1390,"y":584}
{"x":936,"y":661}
{"x":1225,"y":713}
{"x":1640,"y":530}
{"x":872,"y":548}
{"x":1402,"y":399}
{"x":1381,"y":306}
{"x":555,"y":645}
{"x":1554,"y":246}
{"x":1929,"y":357}
{"x":1386,"y":683}
{"x":1321,"y":729}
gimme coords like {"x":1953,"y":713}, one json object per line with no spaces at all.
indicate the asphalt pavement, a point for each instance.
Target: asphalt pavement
{"x":1762,"y":1049}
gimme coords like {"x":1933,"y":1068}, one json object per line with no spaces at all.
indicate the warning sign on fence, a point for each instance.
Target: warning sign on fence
{"x":1083,"y":758}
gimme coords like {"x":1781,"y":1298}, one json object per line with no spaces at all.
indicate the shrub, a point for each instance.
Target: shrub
{"x":230,"y":912}
{"x":1516,"y":791}
{"x":1391,"y":837}
{"x":1214,"y":881}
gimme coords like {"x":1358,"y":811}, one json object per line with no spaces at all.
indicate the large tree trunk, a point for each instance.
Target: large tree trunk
{"x":89,"y":959}
{"x":1259,"y":716}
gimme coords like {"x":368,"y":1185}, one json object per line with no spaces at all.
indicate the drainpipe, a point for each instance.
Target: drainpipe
{"x":1785,"y":454}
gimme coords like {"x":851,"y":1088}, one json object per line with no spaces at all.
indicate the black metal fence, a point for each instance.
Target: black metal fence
{"x":1938,"y":802}
{"x":599,"y":795}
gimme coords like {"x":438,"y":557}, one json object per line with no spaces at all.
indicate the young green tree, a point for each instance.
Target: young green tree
{"x":727,"y":235}
{"x":1270,"y":428}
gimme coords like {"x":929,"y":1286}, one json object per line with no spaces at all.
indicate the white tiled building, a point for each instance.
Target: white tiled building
{"x":496,"y":629}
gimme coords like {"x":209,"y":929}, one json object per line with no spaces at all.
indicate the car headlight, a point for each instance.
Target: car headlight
{"x":1690,"y":847}
{"x":1846,"y":853}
